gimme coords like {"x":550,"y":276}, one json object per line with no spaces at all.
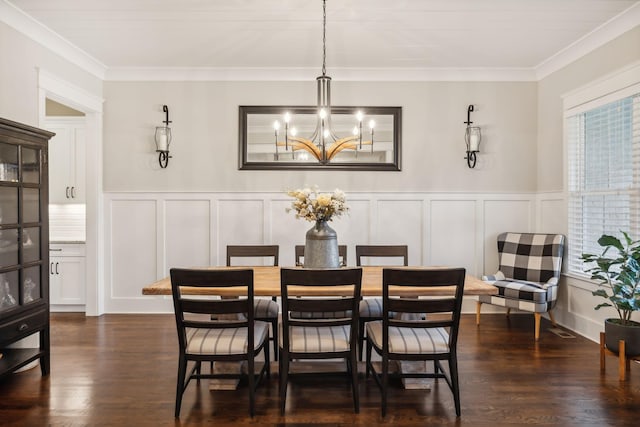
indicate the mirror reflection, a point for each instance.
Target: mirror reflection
{"x":366,"y":138}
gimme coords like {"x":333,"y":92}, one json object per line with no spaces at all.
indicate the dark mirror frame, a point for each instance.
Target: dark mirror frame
{"x":245,"y":164}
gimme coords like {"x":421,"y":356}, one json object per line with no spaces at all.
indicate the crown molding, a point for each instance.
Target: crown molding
{"x":613,"y":28}
{"x":306,"y":74}
{"x":38,"y":32}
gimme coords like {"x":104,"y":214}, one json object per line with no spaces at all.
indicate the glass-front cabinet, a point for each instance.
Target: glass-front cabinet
{"x":24,"y":241}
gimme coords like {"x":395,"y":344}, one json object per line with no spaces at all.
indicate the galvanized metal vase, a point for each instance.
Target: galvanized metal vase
{"x":321,"y":247}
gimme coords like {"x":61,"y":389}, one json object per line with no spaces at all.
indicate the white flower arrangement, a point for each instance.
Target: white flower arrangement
{"x":312,"y":206}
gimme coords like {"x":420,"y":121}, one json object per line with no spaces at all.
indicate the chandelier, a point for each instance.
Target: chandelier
{"x":323,"y":144}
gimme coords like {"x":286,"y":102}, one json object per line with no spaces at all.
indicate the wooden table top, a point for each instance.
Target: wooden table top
{"x":266,"y":282}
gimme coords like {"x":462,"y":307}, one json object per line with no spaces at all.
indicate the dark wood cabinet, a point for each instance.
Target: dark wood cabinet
{"x":24,"y":245}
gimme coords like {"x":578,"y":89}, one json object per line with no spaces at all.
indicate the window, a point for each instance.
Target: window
{"x":603,"y":141}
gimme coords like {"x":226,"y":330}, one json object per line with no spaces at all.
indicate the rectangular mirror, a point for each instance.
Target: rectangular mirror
{"x":298,"y":141}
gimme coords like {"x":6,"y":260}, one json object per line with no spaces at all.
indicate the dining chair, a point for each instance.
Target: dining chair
{"x":433,"y":338}
{"x":528,"y":275}
{"x":265,"y":309}
{"x":371,"y":308}
{"x":232,"y":336}
{"x":299,"y":254}
{"x":333,"y":338}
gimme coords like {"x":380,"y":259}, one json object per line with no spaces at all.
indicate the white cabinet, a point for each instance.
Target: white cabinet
{"x":66,"y":160}
{"x":67,"y":276}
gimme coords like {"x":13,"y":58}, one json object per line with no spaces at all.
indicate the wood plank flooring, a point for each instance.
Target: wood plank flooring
{"x":120,"y":370}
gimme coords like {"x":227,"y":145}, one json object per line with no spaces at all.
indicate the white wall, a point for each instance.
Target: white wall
{"x":205,"y":136}
{"x":21,"y":59}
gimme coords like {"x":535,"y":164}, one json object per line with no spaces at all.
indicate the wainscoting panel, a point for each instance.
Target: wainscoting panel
{"x":133,"y":252}
{"x":240,"y":222}
{"x":400,"y":221}
{"x":501,"y":216}
{"x":453,"y":244}
{"x":552,"y":214}
{"x":187,"y":230}
{"x":354,"y":228}
{"x":148,"y":233}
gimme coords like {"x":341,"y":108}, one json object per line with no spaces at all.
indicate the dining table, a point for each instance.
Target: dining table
{"x":266,"y":282}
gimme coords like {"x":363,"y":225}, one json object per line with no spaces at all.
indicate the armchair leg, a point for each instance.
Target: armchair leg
{"x":478,"y":305}
{"x":537,"y":317}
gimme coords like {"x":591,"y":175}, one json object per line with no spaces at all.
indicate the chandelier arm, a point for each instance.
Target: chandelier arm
{"x":307,"y":145}
{"x":340,"y":145}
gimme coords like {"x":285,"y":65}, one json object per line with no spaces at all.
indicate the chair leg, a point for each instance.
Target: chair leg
{"x":361,"y":338}
{"x":455,"y":389}
{"x":368,"y":363}
{"x":251,"y":379}
{"x":508,"y":312}
{"x":478,"y":305}
{"x":354,"y":381}
{"x":385,"y":381}
{"x":284,"y":377}
{"x":182,"y":372}
{"x":537,"y":320}
{"x":267,"y":359}
{"x":274,"y":327}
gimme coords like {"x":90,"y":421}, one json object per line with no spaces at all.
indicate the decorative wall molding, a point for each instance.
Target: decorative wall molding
{"x":615,"y":27}
{"x":40,"y":33}
{"x":305,"y":74}
{"x":148,"y":233}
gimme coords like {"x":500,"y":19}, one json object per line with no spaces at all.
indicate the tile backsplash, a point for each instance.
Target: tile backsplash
{"x":67,"y":223}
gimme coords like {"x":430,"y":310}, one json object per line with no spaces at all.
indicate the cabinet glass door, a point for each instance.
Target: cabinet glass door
{"x":8,"y":290}
{"x":8,"y":162}
{"x":30,"y":165}
{"x":31,"y":289}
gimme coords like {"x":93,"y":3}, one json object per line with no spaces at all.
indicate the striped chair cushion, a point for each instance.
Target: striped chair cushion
{"x":224,"y":340}
{"x":410,"y":340}
{"x":371,"y":307}
{"x":264,"y":308}
{"x":312,"y":339}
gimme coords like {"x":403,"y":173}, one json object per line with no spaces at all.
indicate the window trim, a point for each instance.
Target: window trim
{"x":615,"y":86}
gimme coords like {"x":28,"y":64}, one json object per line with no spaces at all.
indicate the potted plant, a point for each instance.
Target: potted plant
{"x":618,"y":271}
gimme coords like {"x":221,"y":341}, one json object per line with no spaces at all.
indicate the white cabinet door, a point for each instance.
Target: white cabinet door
{"x":67,"y":275}
{"x":66,"y":160}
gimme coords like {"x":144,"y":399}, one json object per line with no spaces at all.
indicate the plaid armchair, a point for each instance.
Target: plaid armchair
{"x":528,"y":274}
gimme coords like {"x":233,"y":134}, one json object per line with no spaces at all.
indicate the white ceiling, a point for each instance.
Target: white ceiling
{"x":399,"y":35}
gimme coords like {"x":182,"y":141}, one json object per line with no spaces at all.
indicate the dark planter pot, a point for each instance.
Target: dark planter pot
{"x":614,"y":332}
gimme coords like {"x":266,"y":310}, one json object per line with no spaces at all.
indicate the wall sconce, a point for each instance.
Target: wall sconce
{"x":163,"y":139}
{"x":472,"y":137}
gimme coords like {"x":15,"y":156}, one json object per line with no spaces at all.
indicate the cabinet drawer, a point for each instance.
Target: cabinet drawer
{"x":66,"y":249}
{"x":23,"y":326}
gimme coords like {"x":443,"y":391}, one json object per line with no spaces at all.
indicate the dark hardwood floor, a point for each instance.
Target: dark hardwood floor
{"x":120,"y":370}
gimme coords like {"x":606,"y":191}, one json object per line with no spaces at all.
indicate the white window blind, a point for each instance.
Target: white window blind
{"x":603,"y":175}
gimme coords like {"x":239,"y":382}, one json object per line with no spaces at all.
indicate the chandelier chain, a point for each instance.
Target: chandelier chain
{"x":324,"y":37}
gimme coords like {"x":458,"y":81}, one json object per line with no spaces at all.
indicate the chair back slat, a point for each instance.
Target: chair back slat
{"x":382,"y":251}
{"x":252,"y":251}
{"x":410,"y":305}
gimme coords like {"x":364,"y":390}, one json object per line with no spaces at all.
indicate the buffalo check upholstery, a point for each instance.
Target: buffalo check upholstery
{"x":528,"y":273}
